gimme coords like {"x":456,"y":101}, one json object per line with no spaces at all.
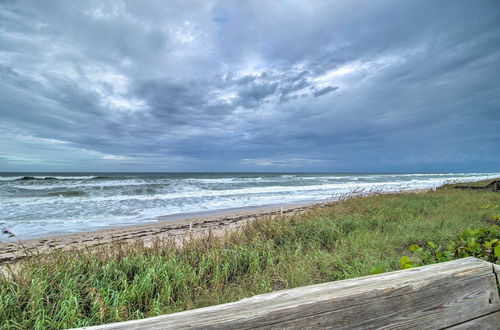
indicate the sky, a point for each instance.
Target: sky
{"x":260,"y":86}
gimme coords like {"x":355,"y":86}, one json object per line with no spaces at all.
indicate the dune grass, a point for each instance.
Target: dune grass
{"x":343,"y":240}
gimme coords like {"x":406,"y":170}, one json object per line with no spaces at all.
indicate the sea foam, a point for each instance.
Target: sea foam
{"x":38,"y":205}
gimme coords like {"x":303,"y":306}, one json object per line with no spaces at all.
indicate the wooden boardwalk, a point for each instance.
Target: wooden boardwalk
{"x":460,"y":294}
{"x":492,"y":186}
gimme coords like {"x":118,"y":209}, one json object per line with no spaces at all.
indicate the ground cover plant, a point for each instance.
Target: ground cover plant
{"x":350,"y":238}
{"x":483,"y":243}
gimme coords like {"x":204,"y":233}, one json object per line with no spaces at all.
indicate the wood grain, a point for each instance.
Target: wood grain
{"x":434,"y":296}
{"x":487,"y":322}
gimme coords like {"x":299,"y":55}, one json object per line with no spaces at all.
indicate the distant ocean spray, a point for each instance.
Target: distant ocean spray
{"x":37,"y":205}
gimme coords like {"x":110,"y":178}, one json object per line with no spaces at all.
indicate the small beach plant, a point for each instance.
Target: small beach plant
{"x":483,"y":243}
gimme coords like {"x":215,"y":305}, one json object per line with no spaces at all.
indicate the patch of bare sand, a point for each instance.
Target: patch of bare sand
{"x":10,"y":252}
{"x":179,"y":229}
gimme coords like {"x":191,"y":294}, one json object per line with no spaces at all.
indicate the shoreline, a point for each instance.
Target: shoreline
{"x":177,"y":228}
{"x":353,"y":237}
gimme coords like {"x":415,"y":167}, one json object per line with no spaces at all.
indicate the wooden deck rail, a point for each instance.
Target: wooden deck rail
{"x":492,"y":186}
{"x":459,"y":294}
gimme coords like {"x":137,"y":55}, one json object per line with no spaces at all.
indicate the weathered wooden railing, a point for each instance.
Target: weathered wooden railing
{"x":460,"y":294}
{"x":492,"y":186}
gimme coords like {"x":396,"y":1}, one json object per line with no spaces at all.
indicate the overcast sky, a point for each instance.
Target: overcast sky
{"x":250,"y":85}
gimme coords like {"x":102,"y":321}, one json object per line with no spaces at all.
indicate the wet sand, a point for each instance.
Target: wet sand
{"x":178,"y":228}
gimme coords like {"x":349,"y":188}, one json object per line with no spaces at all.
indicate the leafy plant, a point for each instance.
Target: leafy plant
{"x":406,"y":262}
{"x":483,"y":243}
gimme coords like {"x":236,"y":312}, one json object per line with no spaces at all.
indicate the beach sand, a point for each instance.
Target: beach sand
{"x":190,"y":226}
{"x":178,"y":227}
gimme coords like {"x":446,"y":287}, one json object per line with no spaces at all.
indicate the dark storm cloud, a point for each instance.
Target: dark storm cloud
{"x":249,"y":85}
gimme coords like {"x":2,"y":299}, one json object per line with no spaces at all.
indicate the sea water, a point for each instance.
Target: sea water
{"x":41,"y":204}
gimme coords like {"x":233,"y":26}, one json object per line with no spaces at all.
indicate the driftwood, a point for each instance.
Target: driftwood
{"x":461,"y":294}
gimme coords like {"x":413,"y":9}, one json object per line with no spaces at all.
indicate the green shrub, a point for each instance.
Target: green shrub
{"x":483,"y":243}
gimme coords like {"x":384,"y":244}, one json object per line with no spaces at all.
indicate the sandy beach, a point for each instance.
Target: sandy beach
{"x":178,"y":228}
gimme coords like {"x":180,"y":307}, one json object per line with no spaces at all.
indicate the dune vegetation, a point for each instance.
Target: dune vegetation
{"x":349,"y":238}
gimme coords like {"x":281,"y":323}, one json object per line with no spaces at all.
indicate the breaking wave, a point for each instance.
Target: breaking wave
{"x":32,"y":178}
{"x":36,"y":205}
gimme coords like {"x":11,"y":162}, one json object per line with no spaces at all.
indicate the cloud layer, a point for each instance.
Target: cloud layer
{"x":249,"y":85}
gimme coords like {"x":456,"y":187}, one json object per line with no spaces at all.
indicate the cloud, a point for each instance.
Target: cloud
{"x":224,"y":85}
{"x":115,"y":157}
{"x":325,"y":90}
{"x":280,"y":162}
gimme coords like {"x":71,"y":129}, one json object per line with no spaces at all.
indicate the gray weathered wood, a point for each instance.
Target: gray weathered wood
{"x":493,"y":186}
{"x":496,"y":269}
{"x":434,"y":296}
{"x":487,"y":322}
{"x":432,"y":308}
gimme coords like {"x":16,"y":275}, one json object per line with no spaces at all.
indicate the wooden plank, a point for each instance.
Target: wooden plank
{"x":496,"y":269}
{"x":494,"y":186}
{"x":310,"y":303}
{"x":433,"y":308}
{"x":487,"y":322}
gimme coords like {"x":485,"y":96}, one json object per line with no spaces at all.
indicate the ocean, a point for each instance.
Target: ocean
{"x":44,"y":204}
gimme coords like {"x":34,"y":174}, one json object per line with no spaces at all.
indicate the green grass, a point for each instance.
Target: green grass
{"x":343,"y":240}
